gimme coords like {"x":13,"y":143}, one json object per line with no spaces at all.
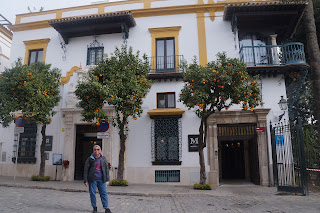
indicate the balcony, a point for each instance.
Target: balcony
{"x":270,"y":59}
{"x":163,"y":67}
{"x":291,"y":53}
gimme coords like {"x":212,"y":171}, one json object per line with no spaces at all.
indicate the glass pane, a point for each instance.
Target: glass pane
{"x":100,"y":53}
{"x":160,"y":54}
{"x":32,"y":57}
{"x":92,"y":57}
{"x":160,"y":47}
{"x":170,"y":54}
{"x":40,"y":55}
{"x":170,"y":47}
{"x":161,"y":101}
{"x":171,"y":100}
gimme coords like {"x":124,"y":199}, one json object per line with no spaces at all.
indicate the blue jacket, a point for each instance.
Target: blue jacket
{"x":90,"y":169}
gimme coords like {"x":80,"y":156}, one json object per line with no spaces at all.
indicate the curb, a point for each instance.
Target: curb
{"x":115,"y":193}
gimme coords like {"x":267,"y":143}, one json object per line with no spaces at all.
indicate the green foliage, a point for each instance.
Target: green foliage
{"x":33,"y":90}
{"x":39,"y":178}
{"x":202,"y":186}
{"x":118,"y":183}
{"x":219,"y":85}
{"x":119,"y":80}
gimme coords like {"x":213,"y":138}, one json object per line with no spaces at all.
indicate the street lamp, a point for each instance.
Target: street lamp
{"x":283,"y":104}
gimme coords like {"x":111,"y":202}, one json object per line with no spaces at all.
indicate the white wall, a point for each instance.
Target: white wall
{"x":5,"y":45}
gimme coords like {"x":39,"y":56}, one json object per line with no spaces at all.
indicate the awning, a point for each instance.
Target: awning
{"x":99,"y":24}
{"x":281,"y":17}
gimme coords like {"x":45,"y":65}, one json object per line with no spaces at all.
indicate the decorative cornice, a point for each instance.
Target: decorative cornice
{"x":29,"y":26}
{"x":66,"y":79}
{"x":137,"y":13}
{"x":4,"y":56}
{"x":5,"y":32}
{"x":164,"y":29}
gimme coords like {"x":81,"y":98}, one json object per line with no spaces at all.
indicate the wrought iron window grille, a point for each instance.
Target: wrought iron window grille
{"x":167,"y":176}
{"x":166,"y":141}
{"x":94,"y":52}
{"x":27,"y":144}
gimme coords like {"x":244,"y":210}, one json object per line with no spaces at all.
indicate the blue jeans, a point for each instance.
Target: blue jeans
{"x":102,"y":187}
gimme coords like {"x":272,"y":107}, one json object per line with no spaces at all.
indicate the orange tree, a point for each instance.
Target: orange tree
{"x":121,"y":81}
{"x":33,"y":91}
{"x":219,"y":85}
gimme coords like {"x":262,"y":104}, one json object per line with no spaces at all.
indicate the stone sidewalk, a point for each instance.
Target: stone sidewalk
{"x":227,"y":189}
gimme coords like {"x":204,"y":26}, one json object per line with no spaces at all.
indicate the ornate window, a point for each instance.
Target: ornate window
{"x":94,"y":52}
{"x":166,"y":140}
{"x":166,"y":100}
{"x":27,"y":144}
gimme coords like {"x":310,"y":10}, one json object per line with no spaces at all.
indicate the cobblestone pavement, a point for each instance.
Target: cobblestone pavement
{"x":14,"y":199}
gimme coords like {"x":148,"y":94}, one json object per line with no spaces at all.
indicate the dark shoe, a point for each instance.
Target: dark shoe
{"x":95,"y":210}
{"x":108,"y":210}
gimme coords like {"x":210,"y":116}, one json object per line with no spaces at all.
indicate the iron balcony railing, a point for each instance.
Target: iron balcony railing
{"x":273,"y":54}
{"x":164,"y":64}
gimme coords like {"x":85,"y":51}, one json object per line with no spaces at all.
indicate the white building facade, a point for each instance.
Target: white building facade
{"x":159,"y":148}
{"x":5,"y":43}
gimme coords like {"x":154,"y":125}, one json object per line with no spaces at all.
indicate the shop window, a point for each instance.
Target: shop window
{"x":166,"y":100}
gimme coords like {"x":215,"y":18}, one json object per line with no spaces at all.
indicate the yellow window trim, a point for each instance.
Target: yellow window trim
{"x":164,"y":32}
{"x":166,"y":111}
{"x":66,"y":79}
{"x":35,"y":45}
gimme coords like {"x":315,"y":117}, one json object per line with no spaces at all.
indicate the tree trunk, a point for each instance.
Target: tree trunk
{"x":314,"y":54}
{"x":42,"y":151}
{"x":201,"y":145}
{"x":122,"y":149}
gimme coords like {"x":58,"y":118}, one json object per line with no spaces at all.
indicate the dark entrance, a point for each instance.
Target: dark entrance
{"x":86,"y":138}
{"x":232,"y":160}
{"x":238,"y":152}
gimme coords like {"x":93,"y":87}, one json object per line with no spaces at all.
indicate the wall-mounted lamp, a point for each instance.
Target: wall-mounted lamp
{"x":283,"y":104}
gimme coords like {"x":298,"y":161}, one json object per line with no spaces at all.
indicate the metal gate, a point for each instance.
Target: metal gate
{"x":289,"y":165}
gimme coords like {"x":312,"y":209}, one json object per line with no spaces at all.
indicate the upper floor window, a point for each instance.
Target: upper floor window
{"x":165,"y":54}
{"x":166,"y":100}
{"x":35,"y":51}
{"x":94,"y":52}
{"x":94,"y":55}
{"x":35,"y":56}
{"x":165,"y":50}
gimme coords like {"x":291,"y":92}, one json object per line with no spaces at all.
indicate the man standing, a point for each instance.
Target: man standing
{"x":96,"y":174}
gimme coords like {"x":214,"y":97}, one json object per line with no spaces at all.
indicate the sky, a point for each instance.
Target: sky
{"x":9,"y":8}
